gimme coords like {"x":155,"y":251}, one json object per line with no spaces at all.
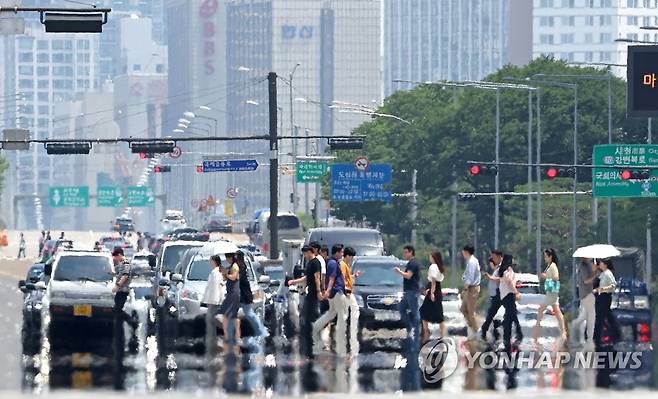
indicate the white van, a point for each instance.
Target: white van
{"x":290,"y":228}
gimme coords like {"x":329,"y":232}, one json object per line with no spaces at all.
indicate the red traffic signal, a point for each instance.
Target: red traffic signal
{"x":199,"y":169}
{"x":643,"y":174}
{"x":476,"y":170}
{"x":162,"y":169}
{"x":552,"y":172}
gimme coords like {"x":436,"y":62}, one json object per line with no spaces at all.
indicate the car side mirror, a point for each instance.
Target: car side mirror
{"x":22,"y":286}
{"x":264,"y":279}
{"x":48,"y":269}
{"x":176,"y":277}
{"x":40,"y":285}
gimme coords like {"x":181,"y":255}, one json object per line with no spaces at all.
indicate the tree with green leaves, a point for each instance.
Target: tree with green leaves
{"x":453,"y":125}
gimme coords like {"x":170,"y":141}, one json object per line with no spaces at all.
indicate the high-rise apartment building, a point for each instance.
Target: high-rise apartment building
{"x":585,"y":31}
{"x":45,"y":69}
{"x":334,"y":50}
{"x":430,"y":40}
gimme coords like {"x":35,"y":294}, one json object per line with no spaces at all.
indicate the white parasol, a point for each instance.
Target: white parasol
{"x":597,"y":251}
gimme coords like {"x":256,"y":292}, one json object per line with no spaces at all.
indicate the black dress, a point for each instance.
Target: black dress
{"x":432,"y":312}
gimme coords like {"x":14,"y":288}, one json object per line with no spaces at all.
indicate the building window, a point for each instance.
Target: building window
{"x":589,"y":20}
{"x":42,"y":123}
{"x":43,"y":58}
{"x":25,"y":84}
{"x":606,"y":38}
{"x":588,"y":38}
{"x":25,"y":70}
{"x":647,"y":37}
{"x":44,"y":110}
{"x":566,"y":38}
{"x":137,"y":67}
{"x":83,"y":44}
{"x":159,"y":68}
{"x":631,"y":36}
{"x":25,"y":43}
{"x":25,"y":57}
{"x":646,"y":21}
{"x":631,"y":20}
{"x":646,"y":3}
{"x":43,"y":96}
{"x":568,"y":3}
{"x":605,"y":56}
{"x":606,"y":3}
{"x":43,"y":71}
{"x":43,"y":84}
{"x":546,"y":39}
{"x":546,"y":3}
{"x":589,"y":56}
{"x":568,"y":21}
{"x":42,"y":44}
{"x":631,"y":3}
{"x":605,"y":20}
{"x":546,"y":21}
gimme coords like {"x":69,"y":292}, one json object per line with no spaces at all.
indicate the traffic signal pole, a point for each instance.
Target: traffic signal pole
{"x":274,"y":168}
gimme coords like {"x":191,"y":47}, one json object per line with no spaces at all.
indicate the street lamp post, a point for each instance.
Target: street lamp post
{"x":293,"y":132}
{"x":607,"y":78}
{"x":574,"y":224}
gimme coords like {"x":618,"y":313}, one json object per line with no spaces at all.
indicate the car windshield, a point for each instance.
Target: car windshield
{"x":199,"y":269}
{"x":527,"y":289}
{"x":287,"y":222}
{"x":83,"y":268}
{"x":377,"y":274}
{"x":172,"y":256}
{"x":275,"y":273}
{"x":364,"y":242}
{"x":174,"y":217}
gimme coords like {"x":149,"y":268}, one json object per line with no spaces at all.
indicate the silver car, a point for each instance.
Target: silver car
{"x":188,"y":285}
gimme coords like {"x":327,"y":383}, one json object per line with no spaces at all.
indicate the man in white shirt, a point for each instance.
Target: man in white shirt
{"x":212,"y":298}
{"x":471,"y":290}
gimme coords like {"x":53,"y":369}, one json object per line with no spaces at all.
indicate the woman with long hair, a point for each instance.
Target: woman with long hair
{"x":551,"y":277}
{"x":603,"y":299}
{"x":431,"y":311}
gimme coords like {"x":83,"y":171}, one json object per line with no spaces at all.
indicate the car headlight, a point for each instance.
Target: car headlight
{"x":359,"y":301}
{"x":642,"y":302}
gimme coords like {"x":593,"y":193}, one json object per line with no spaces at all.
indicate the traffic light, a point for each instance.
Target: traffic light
{"x":162,"y":168}
{"x":635,"y":174}
{"x":146,"y":155}
{"x":153,"y":147}
{"x":199,"y":169}
{"x":477,"y":170}
{"x":552,"y":173}
{"x":346,"y":144}
{"x":65,"y":148}
{"x":466,"y":197}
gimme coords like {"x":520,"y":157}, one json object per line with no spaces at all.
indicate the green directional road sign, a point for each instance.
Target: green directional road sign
{"x":311,"y":171}
{"x":69,"y":197}
{"x":140,"y":196}
{"x":607,"y":182}
{"x":109,"y":197}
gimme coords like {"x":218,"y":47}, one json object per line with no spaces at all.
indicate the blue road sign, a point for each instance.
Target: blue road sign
{"x":349,"y":184}
{"x":233,"y":165}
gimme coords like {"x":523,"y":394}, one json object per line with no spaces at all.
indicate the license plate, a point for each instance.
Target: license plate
{"x":82,"y":310}
{"x":387,"y":316}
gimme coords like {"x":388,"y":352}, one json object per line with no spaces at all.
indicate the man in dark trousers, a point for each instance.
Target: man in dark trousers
{"x":409,"y":312}
{"x":494,"y":294}
{"x":312,"y":295}
{"x":121,"y":291}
